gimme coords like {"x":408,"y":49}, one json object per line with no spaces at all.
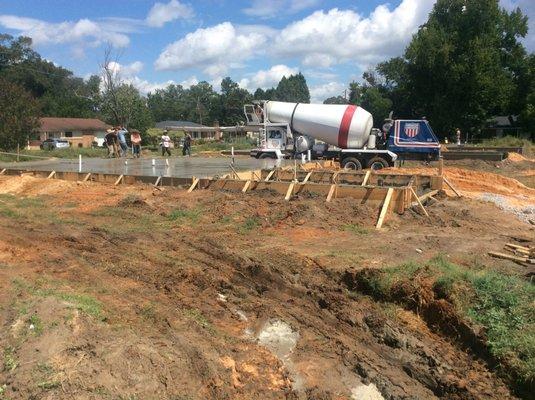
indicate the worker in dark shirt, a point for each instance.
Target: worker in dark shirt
{"x":111,"y":143}
{"x":187,"y":145}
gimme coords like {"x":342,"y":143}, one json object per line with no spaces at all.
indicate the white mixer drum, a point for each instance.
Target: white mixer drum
{"x":345,"y":126}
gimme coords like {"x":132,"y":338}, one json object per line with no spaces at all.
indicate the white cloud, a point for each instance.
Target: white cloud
{"x":145,"y":86}
{"x":327,"y":38}
{"x":218,"y":48}
{"x":161,"y":13}
{"x":126,"y":71}
{"x":267,"y":78}
{"x":273,"y":8}
{"x":319,"y":93}
{"x":128,"y":74}
{"x":83,"y":31}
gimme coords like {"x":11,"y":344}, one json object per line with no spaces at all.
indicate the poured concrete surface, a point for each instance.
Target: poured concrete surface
{"x":184,"y":167}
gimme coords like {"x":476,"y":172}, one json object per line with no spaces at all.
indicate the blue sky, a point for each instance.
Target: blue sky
{"x":254,"y":42}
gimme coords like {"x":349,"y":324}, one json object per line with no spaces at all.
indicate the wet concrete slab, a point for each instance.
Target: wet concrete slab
{"x":182,"y":167}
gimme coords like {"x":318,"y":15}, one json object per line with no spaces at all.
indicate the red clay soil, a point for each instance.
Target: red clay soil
{"x":129,"y":292}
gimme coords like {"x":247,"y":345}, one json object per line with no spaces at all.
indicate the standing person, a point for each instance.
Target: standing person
{"x":166,"y":143}
{"x":110,"y":139}
{"x":458,"y":136}
{"x":135,"y":138}
{"x":121,"y":132}
{"x":187,"y":145}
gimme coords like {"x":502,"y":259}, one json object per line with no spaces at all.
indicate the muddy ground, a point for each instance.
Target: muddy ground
{"x":134,"y":293}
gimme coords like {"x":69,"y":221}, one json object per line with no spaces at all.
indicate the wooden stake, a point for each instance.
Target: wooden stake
{"x":290,"y":191}
{"x":51,"y":175}
{"x":427,"y":195}
{"x":440,"y":166}
{"x":246,"y":186}
{"x":307,"y":177}
{"x":193,"y":184}
{"x":517,"y":247}
{"x":269,"y":175}
{"x":86,"y":178}
{"x":508,"y":257}
{"x":366,"y":177}
{"x":451,"y":187}
{"x":119,"y":179}
{"x":331,"y":193}
{"x":384,"y":209}
{"x":158,"y":181}
{"x":418,"y":201}
{"x":2,"y":172}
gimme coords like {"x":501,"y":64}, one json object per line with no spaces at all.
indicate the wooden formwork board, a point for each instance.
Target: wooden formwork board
{"x":373,"y":196}
{"x":422,"y":182}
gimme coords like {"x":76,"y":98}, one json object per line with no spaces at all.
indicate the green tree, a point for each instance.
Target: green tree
{"x":527,"y":114}
{"x":335,"y":100}
{"x":126,"y":107}
{"x":232,"y":99}
{"x":293,"y":89}
{"x":461,"y":67}
{"x":202,"y":103}
{"x":355,"y":93}
{"x":18,"y":116}
{"x":377,"y":104}
{"x":58,"y":91}
{"x":169,"y":103}
{"x":259,"y":94}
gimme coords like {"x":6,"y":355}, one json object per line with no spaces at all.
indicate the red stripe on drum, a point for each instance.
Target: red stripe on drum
{"x":343,"y":132}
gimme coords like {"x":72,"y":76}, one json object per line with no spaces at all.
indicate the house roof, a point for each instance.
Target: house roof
{"x":502,"y":120}
{"x":52,"y":124}
{"x":176,"y":124}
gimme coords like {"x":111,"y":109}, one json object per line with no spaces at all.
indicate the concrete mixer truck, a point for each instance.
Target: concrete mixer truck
{"x":341,"y":132}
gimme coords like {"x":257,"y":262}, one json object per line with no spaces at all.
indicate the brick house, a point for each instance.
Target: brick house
{"x":80,"y":132}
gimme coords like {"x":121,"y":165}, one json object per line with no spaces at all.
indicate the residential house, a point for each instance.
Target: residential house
{"x":80,"y":132}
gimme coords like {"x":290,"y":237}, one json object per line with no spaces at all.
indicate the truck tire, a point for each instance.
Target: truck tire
{"x":376,"y":163}
{"x":265,"y":155}
{"x":351,"y":163}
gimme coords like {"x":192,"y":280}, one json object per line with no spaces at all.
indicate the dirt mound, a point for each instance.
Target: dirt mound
{"x":26,"y":185}
{"x":515,"y":157}
{"x":476,"y":181}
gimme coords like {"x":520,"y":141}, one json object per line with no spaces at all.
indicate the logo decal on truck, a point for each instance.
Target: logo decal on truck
{"x":411,"y":130}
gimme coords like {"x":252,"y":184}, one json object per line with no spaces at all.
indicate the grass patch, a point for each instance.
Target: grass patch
{"x":502,"y":304}
{"x":197,"y":317}
{"x":248,"y":225}
{"x":37,"y":324}
{"x":10,"y":362}
{"x":180,"y":215}
{"x":71,"y":152}
{"x":507,"y":141}
{"x":148,"y":312}
{"x":48,"y":385}
{"x":355,"y":229}
{"x":82,"y":302}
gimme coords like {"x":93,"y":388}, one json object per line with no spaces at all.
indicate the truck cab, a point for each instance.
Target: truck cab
{"x":275,"y":140}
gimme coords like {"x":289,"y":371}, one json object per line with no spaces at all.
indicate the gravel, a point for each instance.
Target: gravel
{"x":525,"y":214}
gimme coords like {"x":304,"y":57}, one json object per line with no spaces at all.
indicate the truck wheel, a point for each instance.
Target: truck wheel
{"x":265,"y":155}
{"x":351,"y":163}
{"x":377,"y":163}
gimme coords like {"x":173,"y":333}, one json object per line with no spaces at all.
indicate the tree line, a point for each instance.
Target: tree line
{"x":463,"y":66}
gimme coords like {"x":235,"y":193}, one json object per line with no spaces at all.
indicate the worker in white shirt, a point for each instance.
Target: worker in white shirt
{"x":166,"y":143}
